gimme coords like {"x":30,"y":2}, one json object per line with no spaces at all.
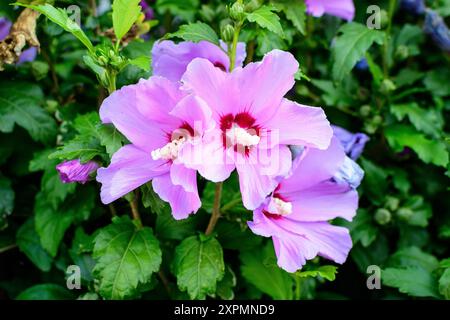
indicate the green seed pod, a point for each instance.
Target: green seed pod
{"x":383,"y":216}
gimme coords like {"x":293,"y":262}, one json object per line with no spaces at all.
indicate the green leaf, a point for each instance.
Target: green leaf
{"x":82,"y":246}
{"x":445,"y":263}
{"x":47,"y":291}
{"x":20,"y":104}
{"x":444,"y":284}
{"x":29,"y":243}
{"x":168,"y":228}
{"x":196,"y":32}
{"x":185,"y":9}
{"x":326,"y":272}
{"x":226,"y":285}
{"x":151,"y":200}
{"x":413,"y":281}
{"x":374,"y":182}
{"x":126,"y":258}
{"x":354,"y":41}
{"x":375,"y":254}
{"x":260,"y":269}
{"x":421,"y":211}
{"x":110,"y":138}
{"x":142,"y":62}
{"x":87,"y":144}
{"x":61,"y":18}
{"x":236,"y":237}
{"x":429,"y":121}
{"x":429,"y":151}
{"x":295,"y":11}
{"x":267,"y":19}
{"x":198,"y":265}
{"x":6,"y":198}
{"x":267,"y":41}
{"x":362,"y":228}
{"x":412,"y":257}
{"x":437,"y":82}
{"x":125,"y":13}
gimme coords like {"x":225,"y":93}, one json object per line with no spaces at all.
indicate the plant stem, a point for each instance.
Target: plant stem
{"x":135,"y":208}
{"x":231,"y":204}
{"x":216,"y":209}
{"x":111,"y":81}
{"x":297,"y":288}
{"x":387,"y":38}
{"x":232,"y":53}
{"x":4,"y":249}
{"x":165,"y":281}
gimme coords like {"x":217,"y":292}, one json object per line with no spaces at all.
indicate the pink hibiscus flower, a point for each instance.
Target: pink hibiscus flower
{"x":170,"y":60}
{"x":254,"y":123}
{"x":159,"y":120}
{"x":296,"y":214}
{"x":344,"y":9}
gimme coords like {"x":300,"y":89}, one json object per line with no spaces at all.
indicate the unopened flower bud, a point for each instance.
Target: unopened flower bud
{"x":384,"y":19}
{"x":237,"y":11}
{"x":365,"y":110}
{"x":405,"y":214}
{"x":75,"y":171}
{"x":377,"y":120}
{"x":402,"y":52}
{"x":392,"y":203}
{"x":227,"y":33}
{"x":383,"y":216}
{"x":387,"y":86}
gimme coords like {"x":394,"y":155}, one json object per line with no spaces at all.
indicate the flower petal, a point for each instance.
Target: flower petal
{"x":264,"y":84}
{"x":301,"y":125}
{"x":182,"y":203}
{"x":120,"y":109}
{"x":182,"y":176}
{"x":130,"y":168}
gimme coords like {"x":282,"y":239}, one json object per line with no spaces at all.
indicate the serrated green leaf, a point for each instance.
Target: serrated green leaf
{"x":110,"y":138}
{"x":28,"y":241}
{"x":374,"y":182}
{"x":362,"y":228}
{"x":429,"y":121}
{"x":7,"y":196}
{"x":260,"y":269}
{"x":125,"y":13}
{"x":142,"y":62}
{"x":413,"y":257}
{"x":226,"y":285}
{"x":295,"y":11}
{"x":20,"y":104}
{"x":429,"y":151}
{"x":326,"y":272}
{"x":198,"y":265}
{"x":351,"y":46}
{"x":126,"y":258}
{"x":267,"y":19}
{"x":421,"y":211}
{"x":47,"y":291}
{"x":414,"y":281}
{"x":444,"y":284}
{"x":61,"y":18}
{"x":168,"y":228}
{"x":196,"y":32}
{"x":151,"y":200}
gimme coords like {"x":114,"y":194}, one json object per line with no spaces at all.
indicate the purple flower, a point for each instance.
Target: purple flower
{"x":170,"y":60}
{"x":353,"y":143}
{"x":437,"y":29}
{"x":27,"y":55}
{"x":416,"y":7}
{"x":350,"y":173}
{"x":255,"y":124}
{"x":75,"y":171}
{"x":159,"y":120}
{"x":344,"y":9}
{"x":362,"y":65}
{"x":5,"y":26}
{"x":296,"y":214}
{"x":148,"y":11}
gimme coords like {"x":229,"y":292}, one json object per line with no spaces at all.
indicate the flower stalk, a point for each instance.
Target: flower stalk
{"x":216,"y":209}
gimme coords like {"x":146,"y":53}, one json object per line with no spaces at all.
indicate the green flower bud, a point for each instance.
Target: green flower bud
{"x":377,"y":120}
{"x":365,"y":110}
{"x":102,"y":61}
{"x":402,"y":52}
{"x":237,"y":11}
{"x":383,"y":216}
{"x":387,"y":86}
{"x":404,"y":214}
{"x":227,"y":33}
{"x":384,"y":19}
{"x":370,"y":128}
{"x":392,"y":203}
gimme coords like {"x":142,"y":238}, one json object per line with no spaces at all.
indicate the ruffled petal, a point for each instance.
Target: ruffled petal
{"x":182,"y":203}
{"x":130,"y":168}
{"x":297,"y":124}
